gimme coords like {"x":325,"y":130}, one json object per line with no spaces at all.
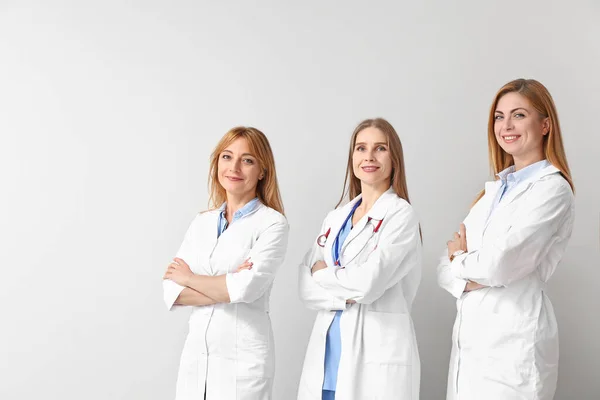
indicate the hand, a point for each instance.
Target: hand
{"x":459,"y":242}
{"x":319,"y":265}
{"x":473,"y":286}
{"x":179,"y":272}
{"x":245,"y":265}
{"x":350,"y":301}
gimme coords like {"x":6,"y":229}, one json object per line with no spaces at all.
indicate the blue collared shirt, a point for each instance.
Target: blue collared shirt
{"x":511,"y":179}
{"x":248,"y":208}
{"x":333,"y":344}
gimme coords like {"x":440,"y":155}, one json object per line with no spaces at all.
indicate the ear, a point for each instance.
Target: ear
{"x":545,"y":126}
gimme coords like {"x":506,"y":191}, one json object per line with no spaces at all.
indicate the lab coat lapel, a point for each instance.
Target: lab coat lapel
{"x":375,"y":214}
{"x":477,"y":220}
{"x":335,"y":224}
{"x":209,"y":239}
{"x":523,"y":186}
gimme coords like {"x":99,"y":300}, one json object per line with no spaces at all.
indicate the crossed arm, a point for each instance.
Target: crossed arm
{"x":199,"y":290}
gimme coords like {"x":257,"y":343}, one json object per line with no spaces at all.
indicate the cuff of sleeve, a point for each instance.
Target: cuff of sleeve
{"x":456,"y":266}
{"x":324,"y":275}
{"x":171,"y":291}
{"x":458,"y":288}
{"x":234,"y":287}
{"x":338,"y":304}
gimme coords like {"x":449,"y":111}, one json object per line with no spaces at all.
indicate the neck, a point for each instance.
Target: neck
{"x":370,"y":194}
{"x":522,"y":162}
{"x":235,"y":202}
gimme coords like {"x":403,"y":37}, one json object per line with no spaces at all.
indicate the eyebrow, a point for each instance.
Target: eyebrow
{"x":513,"y":110}
{"x":378,"y":143}
{"x":245,"y":154}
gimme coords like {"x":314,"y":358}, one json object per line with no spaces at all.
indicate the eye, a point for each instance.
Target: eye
{"x":248,"y":161}
{"x":519,"y":115}
{"x":225,"y":156}
{"x":498,"y":117}
{"x":381,"y":148}
{"x":360,"y":148}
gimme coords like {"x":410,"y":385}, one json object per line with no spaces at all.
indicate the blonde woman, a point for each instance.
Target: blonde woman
{"x":224,"y":269}
{"x":505,"y":339}
{"x":361,"y":275}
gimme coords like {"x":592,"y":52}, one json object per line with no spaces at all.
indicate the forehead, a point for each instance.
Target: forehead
{"x":512,"y":100}
{"x":239,"y":145}
{"x":370,"y":135}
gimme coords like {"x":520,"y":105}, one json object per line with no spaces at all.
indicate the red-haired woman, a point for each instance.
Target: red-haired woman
{"x":505,"y":339}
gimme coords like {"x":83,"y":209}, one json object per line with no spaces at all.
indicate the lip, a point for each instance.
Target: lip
{"x":369,"y":168}
{"x":234,"y":178}
{"x":513,"y":138}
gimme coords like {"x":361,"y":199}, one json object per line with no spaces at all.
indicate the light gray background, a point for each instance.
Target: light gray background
{"x":109,"y":111}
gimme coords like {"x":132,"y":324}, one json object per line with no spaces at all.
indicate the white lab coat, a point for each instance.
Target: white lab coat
{"x":381,"y":272}
{"x":229,"y":347}
{"x":505,"y":338}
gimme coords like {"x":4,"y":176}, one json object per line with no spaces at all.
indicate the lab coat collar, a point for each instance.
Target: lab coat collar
{"x":524,"y":184}
{"x":379,"y":209}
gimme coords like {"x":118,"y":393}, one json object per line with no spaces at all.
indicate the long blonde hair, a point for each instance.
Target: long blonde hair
{"x":352,"y":186}
{"x":542,"y":101}
{"x":267,"y":188}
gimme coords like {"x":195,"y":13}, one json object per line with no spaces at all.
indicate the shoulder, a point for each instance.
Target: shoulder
{"x":401,"y":210}
{"x":552,"y":186}
{"x":269,"y":216}
{"x":201,"y":219}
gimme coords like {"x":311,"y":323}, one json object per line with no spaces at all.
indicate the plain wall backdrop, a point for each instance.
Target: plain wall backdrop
{"x":109,"y":111}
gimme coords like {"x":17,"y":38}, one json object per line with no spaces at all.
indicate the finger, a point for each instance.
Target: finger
{"x":463,"y":230}
{"x":456,"y":236}
{"x":179,"y":261}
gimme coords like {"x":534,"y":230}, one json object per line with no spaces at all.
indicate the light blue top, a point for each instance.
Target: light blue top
{"x":510,"y":179}
{"x":333,"y":345}
{"x":248,"y":208}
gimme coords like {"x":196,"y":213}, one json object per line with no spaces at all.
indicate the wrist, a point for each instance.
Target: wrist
{"x":456,"y":254}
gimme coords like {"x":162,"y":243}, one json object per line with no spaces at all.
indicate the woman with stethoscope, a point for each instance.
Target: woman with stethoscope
{"x":505,"y":339}
{"x":225,"y":269}
{"x":362,"y":275}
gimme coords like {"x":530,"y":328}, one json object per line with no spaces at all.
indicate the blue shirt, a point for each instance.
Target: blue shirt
{"x":333,"y":345}
{"x":510,"y":179}
{"x":248,"y":208}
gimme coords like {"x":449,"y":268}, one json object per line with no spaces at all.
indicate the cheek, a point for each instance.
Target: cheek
{"x":252,"y":172}
{"x":355,"y":160}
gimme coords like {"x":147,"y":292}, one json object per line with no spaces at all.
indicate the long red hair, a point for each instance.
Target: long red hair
{"x":542,"y":102}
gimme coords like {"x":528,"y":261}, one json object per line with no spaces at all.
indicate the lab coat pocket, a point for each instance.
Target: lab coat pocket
{"x":506,"y":344}
{"x":387,"y":338}
{"x":254,"y":339}
{"x":191,"y":369}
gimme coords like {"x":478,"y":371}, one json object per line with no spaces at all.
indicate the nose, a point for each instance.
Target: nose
{"x":508,"y":124}
{"x":236,"y":165}
{"x":369,"y":155}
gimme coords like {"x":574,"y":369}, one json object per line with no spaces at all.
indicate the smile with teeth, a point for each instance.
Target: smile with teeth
{"x":510,"y":139}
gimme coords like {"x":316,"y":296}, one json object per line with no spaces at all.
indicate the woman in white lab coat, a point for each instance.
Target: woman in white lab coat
{"x":505,"y":338}
{"x":224,"y":270}
{"x":361,"y":275}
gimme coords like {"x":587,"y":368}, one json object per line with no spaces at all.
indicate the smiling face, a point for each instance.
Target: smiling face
{"x":371,"y":159}
{"x":520,"y":129}
{"x":238,"y":170}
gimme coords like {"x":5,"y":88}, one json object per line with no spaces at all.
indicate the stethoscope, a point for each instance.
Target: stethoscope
{"x":322,"y":239}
